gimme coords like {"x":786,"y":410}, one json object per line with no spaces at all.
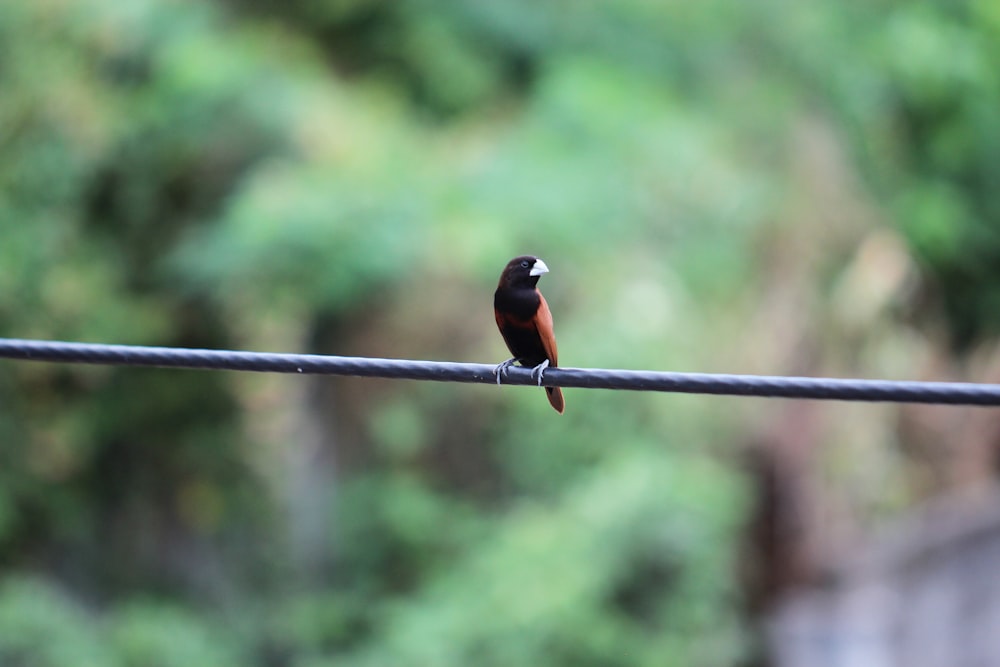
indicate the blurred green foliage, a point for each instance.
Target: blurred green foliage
{"x":348,"y":176}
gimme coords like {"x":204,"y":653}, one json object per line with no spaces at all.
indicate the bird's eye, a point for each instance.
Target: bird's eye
{"x":525,"y":264}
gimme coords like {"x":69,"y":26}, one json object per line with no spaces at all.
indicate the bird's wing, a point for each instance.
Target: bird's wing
{"x":543,"y":324}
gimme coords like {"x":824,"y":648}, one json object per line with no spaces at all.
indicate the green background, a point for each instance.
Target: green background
{"x":778,"y":186}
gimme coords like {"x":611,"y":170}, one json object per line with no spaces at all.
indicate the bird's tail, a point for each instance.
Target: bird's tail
{"x":555,"y":397}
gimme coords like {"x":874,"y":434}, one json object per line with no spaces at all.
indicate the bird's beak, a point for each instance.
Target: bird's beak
{"x":539,"y":268}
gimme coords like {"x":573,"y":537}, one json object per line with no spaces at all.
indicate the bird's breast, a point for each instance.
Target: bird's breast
{"x":516,"y":304}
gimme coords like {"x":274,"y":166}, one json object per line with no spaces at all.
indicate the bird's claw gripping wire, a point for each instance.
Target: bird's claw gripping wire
{"x":540,"y":370}
{"x":500,"y":370}
{"x":537,"y":373}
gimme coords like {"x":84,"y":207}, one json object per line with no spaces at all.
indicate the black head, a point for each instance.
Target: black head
{"x":523,"y":272}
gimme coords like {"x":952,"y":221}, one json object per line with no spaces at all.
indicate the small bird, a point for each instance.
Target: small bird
{"x":525,"y":322}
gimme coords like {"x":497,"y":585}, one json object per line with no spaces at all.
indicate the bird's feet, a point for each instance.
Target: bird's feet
{"x":500,"y":370}
{"x":540,"y":371}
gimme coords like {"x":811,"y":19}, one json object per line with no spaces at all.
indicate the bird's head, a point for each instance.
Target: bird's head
{"x":523,"y":271}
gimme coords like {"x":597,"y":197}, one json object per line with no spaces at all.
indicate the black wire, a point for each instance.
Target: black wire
{"x":953,"y":393}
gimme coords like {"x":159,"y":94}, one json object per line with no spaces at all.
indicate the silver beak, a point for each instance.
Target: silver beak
{"x":539,"y":268}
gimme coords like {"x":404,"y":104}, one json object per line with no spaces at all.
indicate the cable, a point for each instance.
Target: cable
{"x":953,"y":393}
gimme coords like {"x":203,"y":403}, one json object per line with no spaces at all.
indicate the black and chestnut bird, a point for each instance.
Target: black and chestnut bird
{"x":526,"y":323}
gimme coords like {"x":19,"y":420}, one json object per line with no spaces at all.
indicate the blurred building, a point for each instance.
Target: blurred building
{"x":924,"y":594}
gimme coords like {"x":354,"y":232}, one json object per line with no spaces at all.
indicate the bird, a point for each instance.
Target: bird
{"x":525,"y":322}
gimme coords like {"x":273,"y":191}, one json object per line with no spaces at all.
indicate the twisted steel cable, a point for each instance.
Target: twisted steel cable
{"x":953,"y":393}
